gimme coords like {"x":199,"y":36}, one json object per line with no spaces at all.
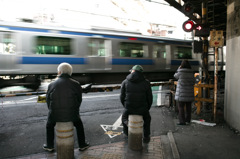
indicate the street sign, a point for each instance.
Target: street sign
{"x":216,"y":38}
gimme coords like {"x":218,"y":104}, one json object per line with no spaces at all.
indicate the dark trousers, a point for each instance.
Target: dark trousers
{"x":146,"y":125}
{"x":181,"y":115}
{"x":79,"y":128}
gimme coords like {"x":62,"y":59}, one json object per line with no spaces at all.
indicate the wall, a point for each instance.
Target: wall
{"x":232,"y":82}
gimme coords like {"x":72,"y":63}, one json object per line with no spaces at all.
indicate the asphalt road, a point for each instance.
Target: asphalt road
{"x":23,"y":120}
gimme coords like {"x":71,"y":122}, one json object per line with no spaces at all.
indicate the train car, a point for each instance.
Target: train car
{"x":30,"y":53}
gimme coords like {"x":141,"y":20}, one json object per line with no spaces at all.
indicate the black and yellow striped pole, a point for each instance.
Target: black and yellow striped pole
{"x":205,"y":45}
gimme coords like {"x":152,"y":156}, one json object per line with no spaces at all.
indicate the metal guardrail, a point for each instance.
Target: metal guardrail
{"x":23,"y":94}
{"x":86,"y":89}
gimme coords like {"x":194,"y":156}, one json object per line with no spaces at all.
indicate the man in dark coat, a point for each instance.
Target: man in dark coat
{"x":64,"y":97}
{"x":136,"y":97}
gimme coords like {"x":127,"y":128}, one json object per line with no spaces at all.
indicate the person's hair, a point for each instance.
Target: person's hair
{"x":185,"y":64}
{"x":65,"y":68}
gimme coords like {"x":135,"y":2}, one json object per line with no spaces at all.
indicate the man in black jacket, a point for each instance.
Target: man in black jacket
{"x":136,"y":97}
{"x":64,"y":97}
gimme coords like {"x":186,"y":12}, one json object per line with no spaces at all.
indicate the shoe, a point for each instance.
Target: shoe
{"x":146,"y":139}
{"x":84,"y":147}
{"x":47,"y":148}
{"x":181,"y":123}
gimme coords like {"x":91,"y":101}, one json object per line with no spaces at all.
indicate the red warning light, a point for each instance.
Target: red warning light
{"x":187,"y":8}
{"x":188,"y":26}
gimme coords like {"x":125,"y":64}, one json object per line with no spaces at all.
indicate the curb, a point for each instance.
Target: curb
{"x":173,"y":146}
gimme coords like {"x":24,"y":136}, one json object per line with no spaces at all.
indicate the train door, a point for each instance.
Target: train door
{"x":8,"y":58}
{"x":99,"y":54}
{"x":159,"y":56}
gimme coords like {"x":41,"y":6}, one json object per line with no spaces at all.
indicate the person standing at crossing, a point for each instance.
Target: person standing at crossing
{"x":185,"y":91}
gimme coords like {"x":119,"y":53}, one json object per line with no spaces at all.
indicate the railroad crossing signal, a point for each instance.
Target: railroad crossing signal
{"x":202,"y":30}
{"x":188,"y":26}
{"x":199,"y":27}
{"x":187,"y":8}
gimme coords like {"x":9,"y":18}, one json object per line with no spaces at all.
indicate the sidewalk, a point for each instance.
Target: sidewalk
{"x":153,"y":150}
{"x":194,"y":141}
{"x":197,"y":141}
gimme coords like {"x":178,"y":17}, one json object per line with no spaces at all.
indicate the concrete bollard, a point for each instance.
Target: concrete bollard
{"x":135,"y":131}
{"x":65,"y":140}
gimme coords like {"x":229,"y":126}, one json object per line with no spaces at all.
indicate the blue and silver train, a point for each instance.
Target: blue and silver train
{"x":30,"y":53}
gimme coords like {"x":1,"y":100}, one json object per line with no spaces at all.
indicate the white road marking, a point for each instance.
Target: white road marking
{"x":118,"y":122}
{"x":112,"y":130}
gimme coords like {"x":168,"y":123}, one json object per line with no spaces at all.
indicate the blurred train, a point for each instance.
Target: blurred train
{"x":30,"y":53}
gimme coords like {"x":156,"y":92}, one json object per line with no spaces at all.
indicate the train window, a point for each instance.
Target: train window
{"x":159,"y":51}
{"x":53,"y":45}
{"x":7,"y":43}
{"x":132,"y":49}
{"x":96,"y":47}
{"x":183,"y":52}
